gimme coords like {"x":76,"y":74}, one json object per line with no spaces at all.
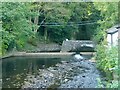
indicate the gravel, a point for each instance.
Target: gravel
{"x":69,"y":74}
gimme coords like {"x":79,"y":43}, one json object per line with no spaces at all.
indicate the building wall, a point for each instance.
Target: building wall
{"x":119,"y":33}
{"x":114,"y":39}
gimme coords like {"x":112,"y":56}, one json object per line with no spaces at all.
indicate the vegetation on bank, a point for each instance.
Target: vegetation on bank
{"x":107,"y":57}
{"x":25,"y":25}
{"x":107,"y":62}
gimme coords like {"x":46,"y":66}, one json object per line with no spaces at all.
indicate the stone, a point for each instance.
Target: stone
{"x":77,"y":46}
{"x":73,"y":74}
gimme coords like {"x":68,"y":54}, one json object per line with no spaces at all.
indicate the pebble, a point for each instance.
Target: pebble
{"x":73,"y":74}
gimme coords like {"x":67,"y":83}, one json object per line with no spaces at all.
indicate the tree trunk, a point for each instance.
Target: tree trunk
{"x":36,"y":21}
{"x":45,"y":34}
{"x":73,"y":36}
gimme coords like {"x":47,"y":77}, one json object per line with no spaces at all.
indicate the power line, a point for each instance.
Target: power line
{"x":71,"y":22}
{"x":79,"y":24}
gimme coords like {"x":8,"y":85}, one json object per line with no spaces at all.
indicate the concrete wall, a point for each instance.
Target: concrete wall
{"x":47,"y":48}
{"x":77,"y":45}
{"x":67,"y":46}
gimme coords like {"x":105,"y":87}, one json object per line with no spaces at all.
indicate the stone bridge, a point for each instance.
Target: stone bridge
{"x":77,"y":46}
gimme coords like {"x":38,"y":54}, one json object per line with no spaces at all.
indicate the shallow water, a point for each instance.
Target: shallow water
{"x":49,"y":72}
{"x":74,"y":73}
{"x":16,"y":69}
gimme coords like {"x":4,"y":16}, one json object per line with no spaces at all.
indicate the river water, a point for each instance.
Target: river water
{"x":47,"y":72}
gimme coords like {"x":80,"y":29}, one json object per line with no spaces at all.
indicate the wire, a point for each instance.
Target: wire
{"x":56,"y":24}
{"x":73,"y":22}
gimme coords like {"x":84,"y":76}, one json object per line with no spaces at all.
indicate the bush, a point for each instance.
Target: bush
{"x":107,"y":62}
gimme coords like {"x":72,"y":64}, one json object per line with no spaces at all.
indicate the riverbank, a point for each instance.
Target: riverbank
{"x":23,"y":54}
{"x":43,"y":54}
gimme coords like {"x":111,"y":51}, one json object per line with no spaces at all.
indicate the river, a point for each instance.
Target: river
{"x":46,"y":72}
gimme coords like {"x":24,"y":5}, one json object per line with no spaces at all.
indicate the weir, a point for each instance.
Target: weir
{"x":78,"y":46}
{"x":68,"y":48}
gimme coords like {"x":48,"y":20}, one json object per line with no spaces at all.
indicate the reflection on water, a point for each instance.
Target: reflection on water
{"x":15,"y":69}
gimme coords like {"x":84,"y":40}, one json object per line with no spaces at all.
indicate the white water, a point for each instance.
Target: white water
{"x":78,"y":56}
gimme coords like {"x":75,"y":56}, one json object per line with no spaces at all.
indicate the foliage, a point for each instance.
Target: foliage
{"x":109,"y":14}
{"x":107,"y":58}
{"x":59,"y":15}
{"x":105,"y":84}
{"x":107,"y":61}
{"x":20,"y":22}
{"x":70,"y":17}
{"x":16,"y":25}
{"x":113,"y":84}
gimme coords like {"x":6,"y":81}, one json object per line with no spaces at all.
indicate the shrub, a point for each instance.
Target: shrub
{"x":107,"y":62}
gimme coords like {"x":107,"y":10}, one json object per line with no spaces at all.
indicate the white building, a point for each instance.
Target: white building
{"x":112,"y":35}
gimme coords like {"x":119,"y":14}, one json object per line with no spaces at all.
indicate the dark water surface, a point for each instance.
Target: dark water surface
{"x":15,"y":69}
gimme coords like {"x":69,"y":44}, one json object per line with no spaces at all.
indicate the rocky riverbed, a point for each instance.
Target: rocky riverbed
{"x":75,"y":73}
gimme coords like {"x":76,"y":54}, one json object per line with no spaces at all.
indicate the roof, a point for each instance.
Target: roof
{"x":113,"y":29}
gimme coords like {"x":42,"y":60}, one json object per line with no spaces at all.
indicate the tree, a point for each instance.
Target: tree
{"x":64,"y":21}
{"x":109,"y":14}
{"x":53,"y":15}
{"x":16,"y":24}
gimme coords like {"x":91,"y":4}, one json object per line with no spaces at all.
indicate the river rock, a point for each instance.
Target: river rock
{"x":73,"y":74}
